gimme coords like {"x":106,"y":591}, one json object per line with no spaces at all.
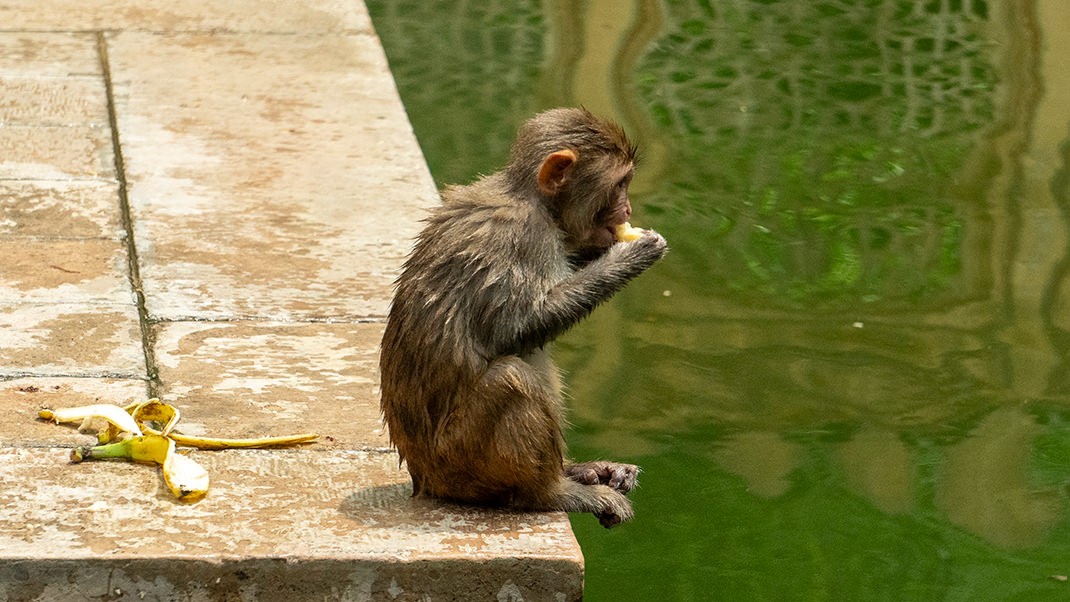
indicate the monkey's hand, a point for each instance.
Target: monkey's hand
{"x":622,"y":477}
{"x":531,"y":326}
{"x":644,"y":251}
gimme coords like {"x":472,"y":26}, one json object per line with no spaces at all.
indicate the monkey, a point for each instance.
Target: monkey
{"x":470,"y":396}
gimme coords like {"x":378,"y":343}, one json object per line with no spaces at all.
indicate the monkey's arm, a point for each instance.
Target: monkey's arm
{"x":572,"y":299}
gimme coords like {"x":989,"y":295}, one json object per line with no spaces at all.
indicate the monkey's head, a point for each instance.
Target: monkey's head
{"x":580,"y":167}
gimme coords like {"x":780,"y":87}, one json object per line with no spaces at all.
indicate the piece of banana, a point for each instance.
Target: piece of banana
{"x":112,"y":413}
{"x":184,"y":477}
{"x":626,"y":233}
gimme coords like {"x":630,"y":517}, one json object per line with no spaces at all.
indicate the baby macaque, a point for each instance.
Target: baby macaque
{"x":470,"y":395}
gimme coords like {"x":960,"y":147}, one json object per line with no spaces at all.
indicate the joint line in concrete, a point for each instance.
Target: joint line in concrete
{"x":134,"y":270}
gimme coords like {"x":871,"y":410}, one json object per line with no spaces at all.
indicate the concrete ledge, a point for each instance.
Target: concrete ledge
{"x":202,"y":209}
{"x":284,"y":580}
{"x":330,"y":526}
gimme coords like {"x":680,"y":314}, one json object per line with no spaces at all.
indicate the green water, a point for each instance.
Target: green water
{"x":850,"y":378}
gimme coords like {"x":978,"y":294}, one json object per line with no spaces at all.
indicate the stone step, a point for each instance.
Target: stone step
{"x":208,"y":202}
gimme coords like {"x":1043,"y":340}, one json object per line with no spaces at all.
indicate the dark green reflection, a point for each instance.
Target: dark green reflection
{"x":849,"y":378}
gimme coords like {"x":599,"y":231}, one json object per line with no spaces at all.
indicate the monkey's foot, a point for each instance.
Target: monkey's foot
{"x":617,"y":510}
{"x":609,"y":520}
{"x":621,"y":477}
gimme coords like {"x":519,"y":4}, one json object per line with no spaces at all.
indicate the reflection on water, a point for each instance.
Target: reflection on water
{"x":850,"y":378}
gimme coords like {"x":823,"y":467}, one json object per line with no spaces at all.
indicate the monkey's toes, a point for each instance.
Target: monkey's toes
{"x":609,"y":520}
{"x":616,"y":510}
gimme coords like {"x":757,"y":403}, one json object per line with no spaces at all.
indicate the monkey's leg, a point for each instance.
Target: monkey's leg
{"x":621,"y":477}
{"x":501,"y":442}
{"x":529,"y":429}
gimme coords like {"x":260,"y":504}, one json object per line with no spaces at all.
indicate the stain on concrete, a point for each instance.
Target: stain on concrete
{"x":233,"y":227}
{"x":245,"y":379}
{"x":265,"y":16}
{"x":56,"y":153}
{"x":66,"y":270}
{"x":278,"y":507}
{"x":50,"y":209}
{"x":70,"y":339}
{"x":22,"y":398}
{"x":47,"y":54}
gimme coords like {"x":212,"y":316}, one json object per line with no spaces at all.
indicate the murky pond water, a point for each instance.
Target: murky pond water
{"x":850,"y":378}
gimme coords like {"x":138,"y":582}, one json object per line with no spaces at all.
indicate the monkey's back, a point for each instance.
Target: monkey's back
{"x":475,"y":267}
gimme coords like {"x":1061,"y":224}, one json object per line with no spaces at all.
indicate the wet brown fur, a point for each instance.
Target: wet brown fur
{"x":469,"y":392}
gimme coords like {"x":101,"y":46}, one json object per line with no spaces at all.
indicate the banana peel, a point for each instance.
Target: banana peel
{"x":113,"y":414}
{"x":144,"y":432}
{"x":184,"y":477}
{"x":154,"y":410}
{"x":260,"y":442}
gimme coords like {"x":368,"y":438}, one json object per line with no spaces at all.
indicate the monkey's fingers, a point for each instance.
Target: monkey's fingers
{"x":617,"y":476}
{"x":623,"y":477}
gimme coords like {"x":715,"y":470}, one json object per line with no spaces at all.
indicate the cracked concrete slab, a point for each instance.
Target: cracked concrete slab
{"x":274,"y":188}
{"x":262,"y":16}
{"x":91,"y":270}
{"x":70,"y":339}
{"x":253,"y":379}
{"x":279,"y":181}
{"x":60,"y":210}
{"x":346,"y":518}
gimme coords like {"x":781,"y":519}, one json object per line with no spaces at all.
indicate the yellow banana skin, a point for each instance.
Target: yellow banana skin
{"x":144,"y":448}
{"x":216,"y":443}
{"x":114,"y":414}
{"x":154,"y":441}
{"x":157,"y":411}
{"x":184,"y":477}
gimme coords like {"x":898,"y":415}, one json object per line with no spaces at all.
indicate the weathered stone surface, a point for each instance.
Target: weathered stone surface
{"x":53,"y":101}
{"x":64,"y":271}
{"x":56,"y":209}
{"x":275,"y":186}
{"x":282,"y":180}
{"x":70,"y":339}
{"x":22,"y":398}
{"x":251,"y":379}
{"x":46,"y":54}
{"x":274,"y":16}
{"x":318,"y":525}
{"x":56,"y":153}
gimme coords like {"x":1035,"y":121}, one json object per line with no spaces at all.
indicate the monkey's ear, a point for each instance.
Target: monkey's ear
{"x":554,"y":171}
